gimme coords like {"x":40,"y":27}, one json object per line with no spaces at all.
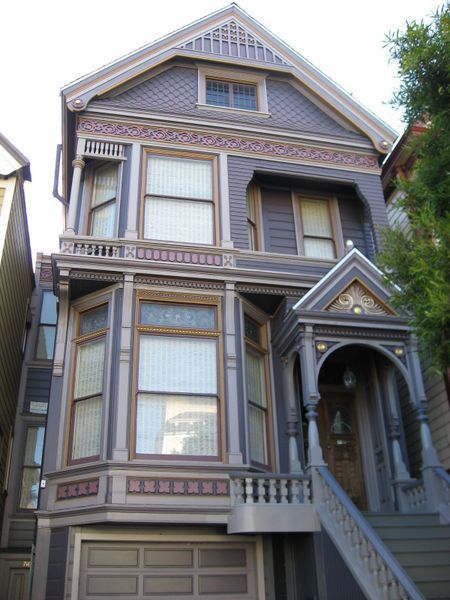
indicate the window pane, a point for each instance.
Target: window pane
{"x":178,"y":220}
{"x":171,"y":315}
{"x":46,"y":342}
{"x":251,"y":330}
{"x":185,"y":425}
{"x":179,"y":177}
{"x":319,"y":248}
{"x":257,"y":431}
{"x":86,"y":428}
{"x":316,"y":218}
{"x":244,"y":96}
{"x":93,"y":320}
{"x":105,"y":185}
{"x":217,"y":93}
{"x":34,"y":446}
{"x":103,"y":220}
{"x":177,"y":364}
{"x":48,"y":309}
{"x":30,"y":488}
{"x":256,"y":385}
{"x":89,"y":370}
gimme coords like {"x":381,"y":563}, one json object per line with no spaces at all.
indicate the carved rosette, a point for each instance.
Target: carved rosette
{"x":358,"y":300}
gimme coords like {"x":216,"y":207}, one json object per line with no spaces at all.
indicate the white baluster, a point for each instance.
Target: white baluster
{"x":283,"y":491}
{"x":272,"y":491}
{"x":261,"y":491}
{"x":249,"y":490}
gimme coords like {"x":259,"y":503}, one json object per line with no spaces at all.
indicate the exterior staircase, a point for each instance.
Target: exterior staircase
{"x":422,"y":547}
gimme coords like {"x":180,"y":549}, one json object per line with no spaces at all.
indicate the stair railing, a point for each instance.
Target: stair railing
{"x":414,"y":497}
{"x":376,"y":570}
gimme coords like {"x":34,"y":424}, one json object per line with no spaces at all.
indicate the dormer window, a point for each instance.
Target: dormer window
{"x":231,"y":94}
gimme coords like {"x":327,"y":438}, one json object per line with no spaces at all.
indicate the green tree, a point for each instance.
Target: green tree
{"x":418,"y":261}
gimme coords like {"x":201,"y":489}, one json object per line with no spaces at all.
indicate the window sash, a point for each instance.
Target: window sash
{"x":105,"y":185}
{"x":86,"y":428}
{"x":176,"y":177}
{"x":255,"y":378}
{"x":46,"y":342}
{"x":317,"y":228}
{"x":229,"y":94}
{"x":31,"y":469}
{"x":173,"y":424}
{"x":178,"y":220}
{"x":257,"y":434}
{"x":174,"y":364}
{"x":103,"y":220}
{"x":89,"y":368}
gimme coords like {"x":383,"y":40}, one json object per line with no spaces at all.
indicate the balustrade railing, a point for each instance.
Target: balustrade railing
{"x":96,"y":250}
{"x":263,"y":489}
{"x":415,"y":495}
{"x":372,"y":564}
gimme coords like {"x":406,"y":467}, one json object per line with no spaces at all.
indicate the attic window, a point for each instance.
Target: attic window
{"x":231,"y":94}
{"x":232,"y":90}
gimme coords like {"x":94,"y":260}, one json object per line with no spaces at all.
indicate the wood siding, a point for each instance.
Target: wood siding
{"x":278,"y":221}
{"x":15,"y":291}
{"x":367,"y":187}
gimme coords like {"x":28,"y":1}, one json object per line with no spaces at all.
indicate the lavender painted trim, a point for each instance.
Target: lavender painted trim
{"x":231,"y":143}
{"x":189,"y":258}
{"x":175,"y":487}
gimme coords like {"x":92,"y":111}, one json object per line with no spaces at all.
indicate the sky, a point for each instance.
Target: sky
{"x":46,"y":44}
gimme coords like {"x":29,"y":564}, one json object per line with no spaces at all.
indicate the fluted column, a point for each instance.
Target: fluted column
{"x":78,"y":166}
{"x":311,"y":394}
{"x":295,"y":465}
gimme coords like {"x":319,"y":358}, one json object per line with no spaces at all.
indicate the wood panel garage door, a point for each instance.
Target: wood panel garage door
{"x":125,"y":571}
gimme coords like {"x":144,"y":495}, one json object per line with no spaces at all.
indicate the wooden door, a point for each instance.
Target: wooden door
{"x":339,"y":437}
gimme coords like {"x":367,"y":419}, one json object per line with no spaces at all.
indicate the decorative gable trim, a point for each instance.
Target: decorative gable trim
{"x":357,"y":299}
{"x":235,"y":41}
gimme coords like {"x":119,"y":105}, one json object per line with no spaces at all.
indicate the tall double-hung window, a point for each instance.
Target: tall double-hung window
{"x":257,"y":384}
{"x":87,"y":404}
{"x":177,"y":399}
{"x":179,"y":199}
{"x":103,"y":205}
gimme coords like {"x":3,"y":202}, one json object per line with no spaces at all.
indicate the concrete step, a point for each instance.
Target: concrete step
{"x":411,"y":532}
{"x":435,"y":589}
{"x":429,"y":573}
{"x":411,"y":558}
{"x":436,"y":545}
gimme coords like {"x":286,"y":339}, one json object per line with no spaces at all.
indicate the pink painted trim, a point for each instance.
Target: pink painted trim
{"x":77,"y":489}
{"x":179,"y":257}
{"x":171,"y":487}
{"x":228,"y":143}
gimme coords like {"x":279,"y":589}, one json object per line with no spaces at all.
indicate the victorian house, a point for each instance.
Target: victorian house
{"x":230,"y":382}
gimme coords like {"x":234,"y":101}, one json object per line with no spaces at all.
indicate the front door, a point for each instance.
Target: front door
{"x":339,"y":437}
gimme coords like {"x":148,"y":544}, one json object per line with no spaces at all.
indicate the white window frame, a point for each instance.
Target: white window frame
{"x":233,"y":76}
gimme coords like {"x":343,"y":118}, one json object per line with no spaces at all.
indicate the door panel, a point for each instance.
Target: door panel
{"x":339,"y":437}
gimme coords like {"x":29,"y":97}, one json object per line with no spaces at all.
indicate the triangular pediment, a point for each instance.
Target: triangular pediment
{"x":354,"y":286}
{"x":232,"y":39}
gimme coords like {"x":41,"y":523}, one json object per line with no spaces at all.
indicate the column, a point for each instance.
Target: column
{"x":401,"y":472}
{"x":131,"y":231}
{"x":287,"y":373}
{"x":232,"y":413}
{"x":78,"y":166}
{"x":120,"y":441}
{"x":311,"y":395}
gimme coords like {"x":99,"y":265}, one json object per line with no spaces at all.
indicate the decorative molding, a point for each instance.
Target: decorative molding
{"x":360,"y":333}
{"x":187,"y":258}
{"x":112,"y":277}
{"x":357,"y":299}
{"x":171,"y":297}
{"x":77,"y":489}
{"x":46,"y":274}
{"x":198,"y":285}
{"x":234,"y":40}
{"x":179,"y":487}
{"x":130,"y":252}
{"x":277,"y":291}
{"x":67,"y":247}
{"x":228,"y":260}
{"x":226,"y":142}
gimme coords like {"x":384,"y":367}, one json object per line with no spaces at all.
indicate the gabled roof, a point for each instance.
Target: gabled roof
{"x":354,"y":285}
{"x":12,"y":160}
{"x":229,"y":36}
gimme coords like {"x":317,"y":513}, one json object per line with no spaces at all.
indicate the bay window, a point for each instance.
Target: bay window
{"x":88,"y":385}
{"x":102,"y":218}
{"x":177,"y":404}
{"x":316,"y":228}
{"x":179,"y":199}
{"x":256,"y":379}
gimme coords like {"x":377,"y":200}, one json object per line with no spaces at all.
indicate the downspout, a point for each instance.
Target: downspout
{"x":56,"y":193}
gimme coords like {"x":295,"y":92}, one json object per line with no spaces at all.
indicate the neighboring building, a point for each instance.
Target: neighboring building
{"x":16,"y":284}
{"x":18,"y":532}
{"x":219,"y":342}
{"x":400,"y":163}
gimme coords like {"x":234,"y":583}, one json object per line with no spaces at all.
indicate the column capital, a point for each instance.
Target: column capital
{"x":78,"y":162}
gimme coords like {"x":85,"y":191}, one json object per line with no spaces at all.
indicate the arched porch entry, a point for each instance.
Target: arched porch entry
{"x":359,"y":419}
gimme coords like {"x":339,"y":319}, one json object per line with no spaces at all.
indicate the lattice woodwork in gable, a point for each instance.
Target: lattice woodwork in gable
{"x":231,"y":39}
{"x":357,"y":299}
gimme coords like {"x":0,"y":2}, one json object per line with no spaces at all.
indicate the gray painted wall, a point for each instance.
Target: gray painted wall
{"x":57,"y":564}
{"x":175,"y":91}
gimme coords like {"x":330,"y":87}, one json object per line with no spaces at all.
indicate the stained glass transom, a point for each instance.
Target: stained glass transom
{"x":94,"y":320}
{"x":172,"y":315}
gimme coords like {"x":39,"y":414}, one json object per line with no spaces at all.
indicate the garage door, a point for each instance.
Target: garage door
{"x":174,"y":570}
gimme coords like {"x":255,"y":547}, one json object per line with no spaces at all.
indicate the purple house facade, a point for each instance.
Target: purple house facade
{"x":229,"y":378}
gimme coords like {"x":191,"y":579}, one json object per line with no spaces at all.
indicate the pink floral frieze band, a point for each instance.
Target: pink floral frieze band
{"x":189,"y":258}
{"x":225,"y":142}
{"x":175,"y":487}
{"x":77,"y":489}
